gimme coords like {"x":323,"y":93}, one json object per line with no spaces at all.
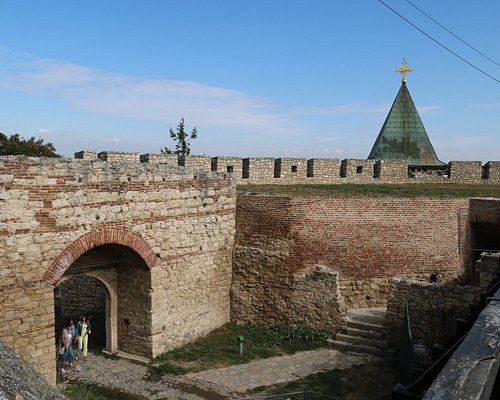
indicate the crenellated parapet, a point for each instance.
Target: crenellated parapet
{"x":286,"y":171}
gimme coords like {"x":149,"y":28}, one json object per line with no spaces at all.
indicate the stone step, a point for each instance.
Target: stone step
{"x":366,"y":326}
{"x":375,"y":316}
{"x":365,"y":332}
{"x":356,"y":348}
{"x":361,"y":340}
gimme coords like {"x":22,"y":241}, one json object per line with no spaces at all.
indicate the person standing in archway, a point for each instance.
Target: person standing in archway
{"x":83,"y":330}
{"x":68,"y":357}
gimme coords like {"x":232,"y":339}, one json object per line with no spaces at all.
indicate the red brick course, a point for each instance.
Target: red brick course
{"x":360,"y":237}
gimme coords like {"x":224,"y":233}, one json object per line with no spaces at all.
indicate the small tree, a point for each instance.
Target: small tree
{"x":182,"y":140}
{"x":16,"y":145}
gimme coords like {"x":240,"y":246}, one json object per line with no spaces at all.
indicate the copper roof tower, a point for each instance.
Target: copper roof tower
{"x":403,"y":136}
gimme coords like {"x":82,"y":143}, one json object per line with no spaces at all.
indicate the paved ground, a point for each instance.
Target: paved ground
{"x":217,"y":384}
{"x":240,"y":378}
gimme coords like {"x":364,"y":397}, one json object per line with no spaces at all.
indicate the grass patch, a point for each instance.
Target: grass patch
{"x":78,"y":391}
{"x":379,"y":190}
{"x":113,"y":357}
{"x":220,"y":347}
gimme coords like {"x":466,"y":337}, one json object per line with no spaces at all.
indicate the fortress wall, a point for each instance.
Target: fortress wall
{"x":186,"y":219}
{"x":119,"y":156}
{"x":290,"y":170}
{"x":357,"y":171}
{"x":86,"y":155}
{"x":492,"y":171}
{"x":465,"y":171}
{"x":365,"y":240}
{"x":229,"y":165}
{"x":169,"y":159}
{"x":258,"y":170}
{"x":199,"y":163}
{"x":391,"y":171}
{"x":275,"y":171}
{"x":323,"y":170}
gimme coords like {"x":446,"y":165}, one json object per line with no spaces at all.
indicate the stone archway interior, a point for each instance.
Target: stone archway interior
{"x":126,"y":282}
{"x":83,"y":294}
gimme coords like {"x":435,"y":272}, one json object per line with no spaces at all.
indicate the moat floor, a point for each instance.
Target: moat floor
{"x":217,"y":384}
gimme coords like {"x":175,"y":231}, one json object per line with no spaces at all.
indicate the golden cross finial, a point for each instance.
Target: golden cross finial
{"x":404,"y":70}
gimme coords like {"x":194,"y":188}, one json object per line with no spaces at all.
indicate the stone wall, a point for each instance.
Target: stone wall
{"x":178,"y":227}
{"x":21,"y":381}
{"x":359,"y":171}
{"x":323,"y":170}
{"x":258,"y":170}
{"x":285,"y":171}
{"x":229,"y":165}
{"x":391,"y":171}
{"x":290,"y":170}
{"x":81,"y":295}
{"x":366,"y":241}
{"x":465,"y":171}
{"x":492,"y":171}
{"x":472,"y":371}
{"x":200,"y":163}
{"x":169,"y":159}
{"x":273,"y":296}
{"x":434,"y":307}
{"x":118,"y":156}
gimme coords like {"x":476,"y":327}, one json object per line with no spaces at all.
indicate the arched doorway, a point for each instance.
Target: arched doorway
{"x":79,"y":294}
{"x":118,"y":278}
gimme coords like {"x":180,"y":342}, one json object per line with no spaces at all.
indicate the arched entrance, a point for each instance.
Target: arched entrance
{"x":114,"y":280}
{"x":79,"y":294}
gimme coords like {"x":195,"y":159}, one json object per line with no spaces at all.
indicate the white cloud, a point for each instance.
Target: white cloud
{"x":117,"y":95}
{"x":486,"y":106}
{"x":100,"y":92}
{"x":113,"y":140}
{"x":44,"y":132}
{"x":340,"y":110}
{"x":352,"y":109}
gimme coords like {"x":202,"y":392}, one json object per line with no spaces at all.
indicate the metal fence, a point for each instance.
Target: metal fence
{"x":303,"y":395}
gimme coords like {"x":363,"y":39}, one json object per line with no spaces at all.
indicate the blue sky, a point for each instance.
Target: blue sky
{"x":278,"y":78}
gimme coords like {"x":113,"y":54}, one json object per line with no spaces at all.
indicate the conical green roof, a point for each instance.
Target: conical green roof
{"x":403,"y":136}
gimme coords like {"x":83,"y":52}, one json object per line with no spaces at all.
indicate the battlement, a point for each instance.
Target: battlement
{"x":102,"y":168}
{"x":286,"y":171}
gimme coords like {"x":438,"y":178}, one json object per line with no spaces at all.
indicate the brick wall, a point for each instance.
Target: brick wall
{"x":365,"y":240}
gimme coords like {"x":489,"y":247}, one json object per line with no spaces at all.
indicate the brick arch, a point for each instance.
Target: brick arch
{"x":95,"y":239}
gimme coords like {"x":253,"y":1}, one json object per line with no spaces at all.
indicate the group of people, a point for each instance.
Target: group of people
{"x":70,"y":335}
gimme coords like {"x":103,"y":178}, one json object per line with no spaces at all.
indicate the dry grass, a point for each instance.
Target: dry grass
{"x":379,"y":190}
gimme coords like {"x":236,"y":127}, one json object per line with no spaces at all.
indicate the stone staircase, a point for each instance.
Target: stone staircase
{"x":365,"y":332}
